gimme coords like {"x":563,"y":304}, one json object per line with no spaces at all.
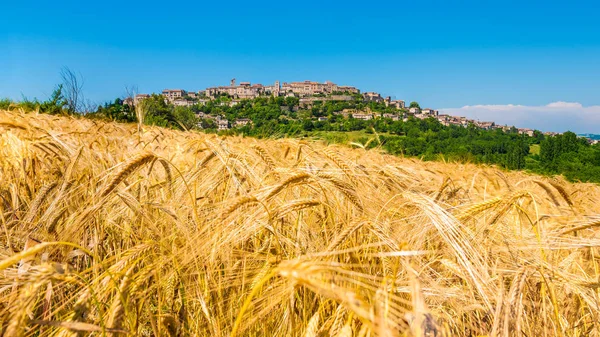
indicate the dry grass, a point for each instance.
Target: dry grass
{"x":235,"y":236}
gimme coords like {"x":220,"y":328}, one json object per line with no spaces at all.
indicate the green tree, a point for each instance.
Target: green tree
{"x":208,"y":123}
{"x":56,"y":103}
{"x":158,"y":112}
{"x":185,"y":117}
{"x":116,"y":111}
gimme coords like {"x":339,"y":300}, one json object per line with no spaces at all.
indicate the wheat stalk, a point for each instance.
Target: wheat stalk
{"x":125,"y":171}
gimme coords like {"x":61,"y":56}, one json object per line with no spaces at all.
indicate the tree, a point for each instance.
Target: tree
{"x":548,"y":151}
{"x":157,"y":111}
{"x":517,"y":150}
{"x":414,"y":104}
{"x":117,"y":111}
{"x":56,"y":103}
{"x":185,"y":117}
{"x":208,"y":123}
{"x":72,"y":86}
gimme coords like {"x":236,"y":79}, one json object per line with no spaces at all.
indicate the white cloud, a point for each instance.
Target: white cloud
{"x":556,"y":116}
{"x":565,"y":105}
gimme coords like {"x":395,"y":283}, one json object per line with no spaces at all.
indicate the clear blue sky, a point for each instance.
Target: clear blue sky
{"x":444,"y":54}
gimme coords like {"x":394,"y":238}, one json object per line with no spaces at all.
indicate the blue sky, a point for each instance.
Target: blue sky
{"x":443,"y":54}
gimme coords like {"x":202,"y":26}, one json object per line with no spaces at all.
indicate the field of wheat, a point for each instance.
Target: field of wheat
{"x":111,"y":229}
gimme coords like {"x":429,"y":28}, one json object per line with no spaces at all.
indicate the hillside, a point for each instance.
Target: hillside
{"x":107,"y":229}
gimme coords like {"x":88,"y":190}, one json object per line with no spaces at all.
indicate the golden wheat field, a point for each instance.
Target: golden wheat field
{"x":108,"y":229}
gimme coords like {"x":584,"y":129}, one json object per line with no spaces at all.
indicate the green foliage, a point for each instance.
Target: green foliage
{"x":56,"y":103}
{"x":414,"y":104}
{"x":5,"y":103}
{"x":29,"y":105}
{"x":116,"y":111}
{"x":185,"y":117}
{"x":158,"y":112}
{"x":208,"y":123}
{"x":574,"y":157}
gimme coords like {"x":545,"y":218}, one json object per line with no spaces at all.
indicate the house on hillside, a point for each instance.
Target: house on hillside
{"x":139,"y":97}
{"x":414,"y":110}
{"x":364,"y":117}
{"x":242,"y":122}
{"x":430,"y":112}
{"x":392,"y":117}
{"x":183,"y":102}
{"x":347,"y":88}
{"x":372,"y":97}
{"x":172,"y":94}
{"x":398,"y":104}
{"x":485,"y":125}
{"x":525,"y":131}
{"x":201,"y":114}
{"x":444,"y":119}
{"x":222,"y":123}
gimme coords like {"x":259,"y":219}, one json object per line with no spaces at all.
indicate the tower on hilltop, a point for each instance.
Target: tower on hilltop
{"x":233,"y":82}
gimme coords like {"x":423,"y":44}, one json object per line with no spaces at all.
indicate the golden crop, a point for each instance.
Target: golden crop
{"x":108,"y":229}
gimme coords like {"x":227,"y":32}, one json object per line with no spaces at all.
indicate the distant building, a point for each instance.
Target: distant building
{"x":310,"y":100}
{"x":444,"y":119}
{"x":183,"y":102}
{"x":201,"y":114}
{"x":364,"y":117}
{"x":243,"y":91}
{"x":309,"y":88}
{"x":128,"y":101}
{"x":372,"y":97}
{"x":392,"y":117}
{"x":222,"y":124}
{"x":172,"y":94}
{"x":139,"y":97}
{"x":414,"y":110}
{"x":528,"y":132}
{"x":348,"y":89}
{"x":430,"y":112}
{"x":242,"y":122}
{"x":398,"y":104}
{"x":485,"y":125}
{"x":422,"y":116}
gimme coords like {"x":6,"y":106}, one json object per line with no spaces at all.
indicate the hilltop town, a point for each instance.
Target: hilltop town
{"x":309,"y":93}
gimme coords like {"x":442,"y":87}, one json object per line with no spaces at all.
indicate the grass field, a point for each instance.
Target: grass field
{"x":111,"y":229}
